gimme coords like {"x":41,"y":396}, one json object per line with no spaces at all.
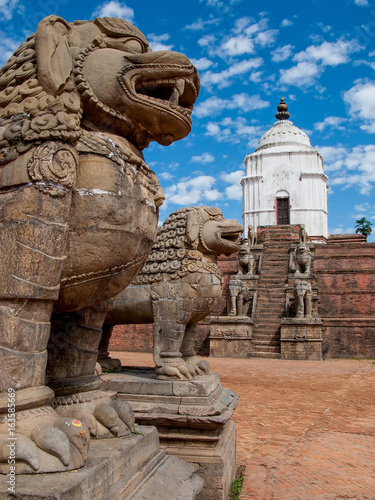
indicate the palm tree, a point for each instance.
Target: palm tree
{"x":363,"y":226}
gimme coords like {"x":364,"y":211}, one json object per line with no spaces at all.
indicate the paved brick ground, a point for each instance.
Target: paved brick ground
{"x":305,"y":430}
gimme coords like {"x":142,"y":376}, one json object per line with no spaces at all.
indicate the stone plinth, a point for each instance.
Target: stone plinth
{"x":132,"y":468}
{"x":230,"y":336}
{"x":193,"y":420}
{"x":301,"y":338}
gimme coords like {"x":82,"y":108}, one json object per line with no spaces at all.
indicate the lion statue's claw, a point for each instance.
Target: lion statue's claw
{"x":199,"y":366}
{"x":104,"y":418}
{"x":110,"y":364}
{"x":45,"y":443}
{"x":174,"y":370}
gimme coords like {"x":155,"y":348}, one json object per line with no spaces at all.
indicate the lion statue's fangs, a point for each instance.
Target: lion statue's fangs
{"x":178,"y":286}
{"x":78,"y":216}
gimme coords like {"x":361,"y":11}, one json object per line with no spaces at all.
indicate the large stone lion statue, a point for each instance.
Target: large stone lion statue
{"x":178,"y":286}
{"x":78,"y":215}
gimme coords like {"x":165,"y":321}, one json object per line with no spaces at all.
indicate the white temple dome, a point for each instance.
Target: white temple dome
{"x":286,"y":136}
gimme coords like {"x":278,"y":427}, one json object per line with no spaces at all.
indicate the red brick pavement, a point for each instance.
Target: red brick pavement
{"x":305,"y":430}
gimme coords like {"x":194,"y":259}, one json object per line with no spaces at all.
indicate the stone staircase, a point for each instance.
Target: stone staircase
{"x":271,"y":292}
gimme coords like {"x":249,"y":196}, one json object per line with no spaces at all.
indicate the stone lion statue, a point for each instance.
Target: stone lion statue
{"x":245,"y":259}
{"x":302,"y":259}
{"x":178,"y":286}
{"x":78,"y":213}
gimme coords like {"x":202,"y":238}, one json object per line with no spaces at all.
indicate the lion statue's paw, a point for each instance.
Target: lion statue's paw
{"x":200,"y":366}
{"x":110,"y":364}
{"x":104,"y":417}
{"x":176,"y":369}
{"x":44,"y":441}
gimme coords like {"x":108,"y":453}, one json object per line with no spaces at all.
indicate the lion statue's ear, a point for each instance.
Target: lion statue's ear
{"x":53,"y":53}
{"x":192,"y":228}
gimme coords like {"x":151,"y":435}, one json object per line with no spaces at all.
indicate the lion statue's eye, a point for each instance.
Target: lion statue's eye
{"x":134,"y":46}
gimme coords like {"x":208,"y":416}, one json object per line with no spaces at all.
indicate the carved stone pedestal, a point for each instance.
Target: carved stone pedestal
{"x":132,"y":468}
{"x":230,"y":336}
{"x":301,"y":338}
{"x":193,"y":420}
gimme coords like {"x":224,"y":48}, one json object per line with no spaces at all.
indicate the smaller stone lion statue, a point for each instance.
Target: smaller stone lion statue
{"x":245,"y":259}
{"x":239,"y":298}
{"x":178,"y":286}
{"x":302,"y":259}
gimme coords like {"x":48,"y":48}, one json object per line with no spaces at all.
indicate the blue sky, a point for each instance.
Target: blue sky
{"x":319,"y":55}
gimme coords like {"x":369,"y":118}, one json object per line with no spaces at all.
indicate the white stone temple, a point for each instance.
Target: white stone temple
{"x":284,"y":181}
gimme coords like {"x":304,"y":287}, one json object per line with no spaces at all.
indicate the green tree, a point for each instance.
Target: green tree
{"x":363,"y":226}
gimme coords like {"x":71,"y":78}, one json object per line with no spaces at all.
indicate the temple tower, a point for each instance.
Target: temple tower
{"x":284,"y":181}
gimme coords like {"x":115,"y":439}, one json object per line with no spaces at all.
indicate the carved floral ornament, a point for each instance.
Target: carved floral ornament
{"x":53,"y":168}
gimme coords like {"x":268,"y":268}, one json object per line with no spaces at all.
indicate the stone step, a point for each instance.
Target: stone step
{"x":266,"y":343}
{"x":271,"y":355}
{"x":275,"y":313}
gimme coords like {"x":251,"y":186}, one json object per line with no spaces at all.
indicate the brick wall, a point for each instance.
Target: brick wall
{"x":132,"y":338}
{"x":345,"y":269}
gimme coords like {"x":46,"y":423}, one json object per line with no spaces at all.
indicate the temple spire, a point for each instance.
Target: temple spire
{"x":282,"y":109}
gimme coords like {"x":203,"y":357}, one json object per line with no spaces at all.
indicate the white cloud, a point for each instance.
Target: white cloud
{"x":156,"y":41}
{"x":304,"y":74}
{"x":213,"y":195}
{"x":234,"y":131}
{"x":282,"y":53}
{"x":203,"y":158}
{"x":254,"y":28}
{"x":7,"y":8}
{"x":286,"y":22}
{"x":329,"y":53}
{"x":234,"y":191}
{"x":114,"y":9}
{"x":244,"y":102}
{"x":361,"y":2}
{"x":330,"y":121}
{"x":232,"y":177}
{"x":202,"y":64}
{"x":266,"y":38}
{"x":247,"y":36}
{"x":363,"y":207}
{"x":166,"y":176}
{"x":331,"y":155}
{"x":361,"y":102}
{"x":351,"y":167}
{"x":7,"y":47}
{"x":199,"y":24}
{"x":241,"y":24}
{"x":193,"y":191}
{"x":238,"y":45}
{"x":207,"y":40}
{"x":341,"y":230}
{"x":325,"y":27}
{"x":223,"y":78}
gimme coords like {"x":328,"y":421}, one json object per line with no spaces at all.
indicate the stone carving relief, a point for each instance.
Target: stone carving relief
{"x":301,"y":257}
{"x":178,"y":286}
{"x":79,"y":210}
{"x":251,"y":236}
{"x":303,"y":296}
{"x":239,"y":298}
{"x":245,"y":259}
{"x":301,"y":300}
